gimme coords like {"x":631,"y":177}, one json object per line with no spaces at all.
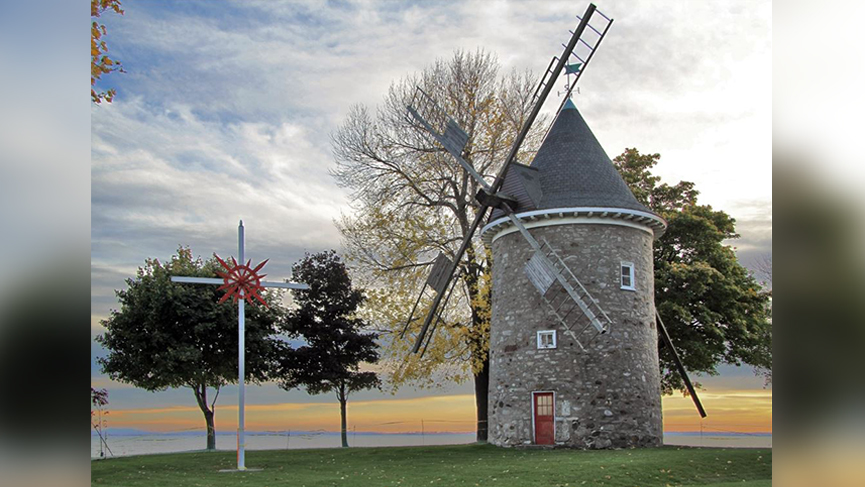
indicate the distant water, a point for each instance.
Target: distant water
{"x":155,"y":443}
{"x":726,"y":440}
{"x":139,"y":444}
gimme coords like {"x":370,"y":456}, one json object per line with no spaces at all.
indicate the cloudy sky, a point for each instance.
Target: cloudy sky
{"x":226,"y":110}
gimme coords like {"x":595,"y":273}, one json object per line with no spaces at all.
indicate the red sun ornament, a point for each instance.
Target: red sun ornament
{"x":240,"y":281}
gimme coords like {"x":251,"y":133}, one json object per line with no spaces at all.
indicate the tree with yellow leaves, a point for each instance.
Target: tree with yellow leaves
{"x":411,"y":200}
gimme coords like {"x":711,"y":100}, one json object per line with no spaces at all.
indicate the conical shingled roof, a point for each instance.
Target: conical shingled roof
{"x":575,"y":171}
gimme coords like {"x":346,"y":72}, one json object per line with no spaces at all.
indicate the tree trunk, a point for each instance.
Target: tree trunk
{"x":200,"y":391}
{"x":342,"y":402}
{"x":211,"y":430}
{"x":479,"y":343}
{"x":482,"y":387}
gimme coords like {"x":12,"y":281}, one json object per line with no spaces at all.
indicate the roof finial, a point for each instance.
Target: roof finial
{"x":569,"y":70}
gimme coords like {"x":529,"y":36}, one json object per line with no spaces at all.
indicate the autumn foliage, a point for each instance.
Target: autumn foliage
{"x":100,"y":63}
{"x":411,"y":200}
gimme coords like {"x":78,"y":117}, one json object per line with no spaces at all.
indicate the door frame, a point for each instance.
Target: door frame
{"x":534,"y":430}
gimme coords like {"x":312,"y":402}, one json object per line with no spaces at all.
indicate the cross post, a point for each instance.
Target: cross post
{"x":242,"y":283}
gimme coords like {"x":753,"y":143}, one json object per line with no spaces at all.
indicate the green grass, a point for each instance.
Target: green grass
{"x":469,"y":465}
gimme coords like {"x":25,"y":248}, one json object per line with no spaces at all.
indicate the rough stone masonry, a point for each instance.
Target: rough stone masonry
{"x":606,"y":397}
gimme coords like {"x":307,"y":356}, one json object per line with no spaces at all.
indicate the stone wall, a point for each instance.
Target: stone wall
{"x":605,"y":397}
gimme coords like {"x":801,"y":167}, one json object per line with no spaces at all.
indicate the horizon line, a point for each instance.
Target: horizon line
{"x":142,"y":432}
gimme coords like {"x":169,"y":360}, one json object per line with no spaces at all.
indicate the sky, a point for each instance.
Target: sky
{"x":226,"y":109}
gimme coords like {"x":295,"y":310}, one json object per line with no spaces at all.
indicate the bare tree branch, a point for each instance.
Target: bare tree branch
{"x":411,"y":200}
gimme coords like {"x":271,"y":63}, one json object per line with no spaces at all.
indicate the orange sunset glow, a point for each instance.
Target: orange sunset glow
{"x":744,"y":411}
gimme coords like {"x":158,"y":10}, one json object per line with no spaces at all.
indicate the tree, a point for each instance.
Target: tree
{"x":714,"y":309}
{"x":100,"y":63}
{"x":178,"y":335}
{"x":99,"y":400}
{"x":335,"y":342}
{"x":412,"y":201}
{"x":763,"y":268}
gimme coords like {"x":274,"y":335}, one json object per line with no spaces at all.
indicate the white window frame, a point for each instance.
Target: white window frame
{"x":630,"y":266}
{"x":546,"y":332}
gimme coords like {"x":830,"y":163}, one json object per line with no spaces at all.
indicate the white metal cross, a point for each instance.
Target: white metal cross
{"x":241,"y":323}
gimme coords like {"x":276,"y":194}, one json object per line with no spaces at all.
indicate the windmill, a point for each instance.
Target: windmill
{"x":516,"y":188}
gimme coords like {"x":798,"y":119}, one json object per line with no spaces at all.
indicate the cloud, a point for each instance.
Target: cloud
{"x":226,"y":110}
{"x":161,"y":178}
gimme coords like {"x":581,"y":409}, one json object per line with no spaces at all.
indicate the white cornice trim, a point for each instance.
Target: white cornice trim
{"x":641,"y":220}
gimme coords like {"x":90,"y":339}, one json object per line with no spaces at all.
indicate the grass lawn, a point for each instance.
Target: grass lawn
{"x":470,"y":465}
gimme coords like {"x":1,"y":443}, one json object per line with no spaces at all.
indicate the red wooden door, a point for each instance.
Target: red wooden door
{"x":544,"y":430}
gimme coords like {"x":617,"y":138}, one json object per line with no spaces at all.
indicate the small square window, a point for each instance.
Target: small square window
{"x":547,"y":339}
{"x":627,"y":276}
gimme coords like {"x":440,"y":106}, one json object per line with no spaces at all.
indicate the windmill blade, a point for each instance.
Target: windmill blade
{"x":437,"y":274}
{"x":682,"y":372}
{"x":449,"y":276}
{"x":440,"y":314}
{"x":546,"y":267}
{"x":439,"y":126}
{"x":435,"y":280}
{"x":579,"y":67}
{"x":443,"y":129}
{"x":411,"y":315}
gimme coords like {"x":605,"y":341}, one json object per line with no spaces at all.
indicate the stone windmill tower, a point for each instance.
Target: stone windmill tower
{"x":550,"y":383}
{"x":574,"y":331}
